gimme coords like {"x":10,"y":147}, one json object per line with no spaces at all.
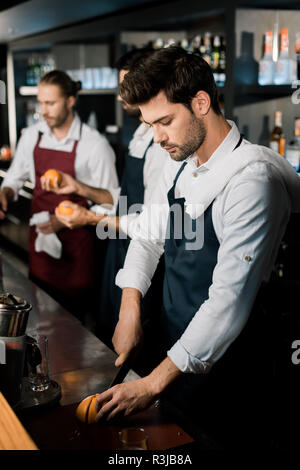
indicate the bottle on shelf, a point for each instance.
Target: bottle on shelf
{"x":292,"y":153}
{"x":30,"y":75}
{"x":170,"y":42}
{"x":196,"y":44}
{"x":215,"y":57}
{"x":283,"y":70}
{"x":48,"y":64}
{"x":202,"y":46}
{"x":246,"y":67}
{"x":264,"y":137}
{"x":184,"y":43}
{"x":158,"y":43}
{"x":207,"y":48}
{"x":222,"y":62}
{"x":277,"y":139}
{"x":266,"y":64}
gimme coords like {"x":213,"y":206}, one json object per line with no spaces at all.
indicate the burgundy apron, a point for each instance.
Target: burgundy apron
{"x":74,"y":272}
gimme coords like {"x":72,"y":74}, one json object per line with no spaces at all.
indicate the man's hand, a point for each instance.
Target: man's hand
{"x":68,"y":185}
{"x":52,"y":226}
{"x":132,"y":397}
{"x":128,"y":333}
{"x":80,"y":217}
{"x":125,"y":399}
{"x":6,"y":195}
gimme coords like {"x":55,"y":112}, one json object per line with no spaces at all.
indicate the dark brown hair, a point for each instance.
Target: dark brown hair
{"x":126,"y":61}
{"x":173,"y":70}
{"x":63,"y":81}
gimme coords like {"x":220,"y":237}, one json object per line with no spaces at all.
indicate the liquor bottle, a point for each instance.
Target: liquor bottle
{"x":246,"y":67}
{"x":297,"y":50}
{"x":293,"y":149}
{"x":170,"y":42}
{"x":277,"y":139}
{"x":266,"y":64}
{"x":207,"y":48}
{"x":47,"y":65}
{"x":222,"y":62}
{"x":215,"y":58}
{"x":282,"y":73}
{"x":202,"y":47}
{"x":30,"y":73}
{"x":184,"y":43}
{"x":158,"y":43}
{"x":196,"y":44}
{"x":264,"y":138}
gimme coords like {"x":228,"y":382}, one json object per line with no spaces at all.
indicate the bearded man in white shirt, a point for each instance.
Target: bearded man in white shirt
{"x":214,"y":365}
{"x":64,"y":264}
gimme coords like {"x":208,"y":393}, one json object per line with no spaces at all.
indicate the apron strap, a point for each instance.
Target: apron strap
{"x":179,"y":172}
{"x":76,"y":141}
{"x":148,"y":146}
{"x":171,"y":192}
{"x":239,"y":142}
{"x":39,"y":138}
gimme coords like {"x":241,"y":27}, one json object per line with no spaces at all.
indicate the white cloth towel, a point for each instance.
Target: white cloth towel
{"x":49,"y":243}
{"x":196,"y":202}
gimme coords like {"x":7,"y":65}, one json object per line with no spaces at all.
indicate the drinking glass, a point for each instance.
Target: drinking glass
{"x":38,"y":362}
{"x":133,"y":439}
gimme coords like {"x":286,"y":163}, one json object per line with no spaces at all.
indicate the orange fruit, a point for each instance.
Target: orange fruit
{"x":85,"y":411}
{"x":52,"y":175}
{"x":5,"y":152}
{"x":92,"y":413}
{"x":64,"y":210}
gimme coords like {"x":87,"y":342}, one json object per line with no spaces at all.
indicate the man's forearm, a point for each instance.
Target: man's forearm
{"x":9,"y":193}
{"x":92,"y":218}
{"x":163,"y":376}
{"x":97,"y":195}
{"x":130,"y":298}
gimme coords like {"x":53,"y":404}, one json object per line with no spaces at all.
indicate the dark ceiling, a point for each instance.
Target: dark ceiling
{"x":5,"y":4}
{"x":20,"y":19}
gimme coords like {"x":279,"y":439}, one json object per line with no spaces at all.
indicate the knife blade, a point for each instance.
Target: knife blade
{"x":123,"y":370}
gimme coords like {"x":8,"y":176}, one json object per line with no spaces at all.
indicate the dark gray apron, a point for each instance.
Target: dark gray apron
{"x":217,"y":398}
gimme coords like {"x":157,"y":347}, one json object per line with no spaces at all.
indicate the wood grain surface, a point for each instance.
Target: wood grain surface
{"x":12,"y":434}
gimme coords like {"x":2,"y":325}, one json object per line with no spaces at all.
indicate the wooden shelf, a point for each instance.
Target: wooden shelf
{"x":249,"y":94}
{"x":100,"y":91}
{"x":32,"y":91}
{"x":267,"y":90}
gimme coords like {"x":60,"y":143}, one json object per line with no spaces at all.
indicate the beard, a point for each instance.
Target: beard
{"x":57,"y":121}
{"x":194,"y":138}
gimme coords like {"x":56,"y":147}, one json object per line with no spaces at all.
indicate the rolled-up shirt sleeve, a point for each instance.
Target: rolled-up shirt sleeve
{"x":147,"y":232}
{"x":255,"y":214}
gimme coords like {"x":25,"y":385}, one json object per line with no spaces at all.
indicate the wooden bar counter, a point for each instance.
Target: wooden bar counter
{"x":82,"y":365}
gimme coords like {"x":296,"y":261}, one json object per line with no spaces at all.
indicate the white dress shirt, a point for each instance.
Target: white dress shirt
{"x":249,"y":214}
{"x":94,"y":161}
{"x":155,"y":160}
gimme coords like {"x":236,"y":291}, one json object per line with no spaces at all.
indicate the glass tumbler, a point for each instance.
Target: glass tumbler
{"x":38,"y":362}
{"x":133,"y":439}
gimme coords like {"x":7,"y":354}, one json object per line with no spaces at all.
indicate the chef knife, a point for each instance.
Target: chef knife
{"x":123,"y":370}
